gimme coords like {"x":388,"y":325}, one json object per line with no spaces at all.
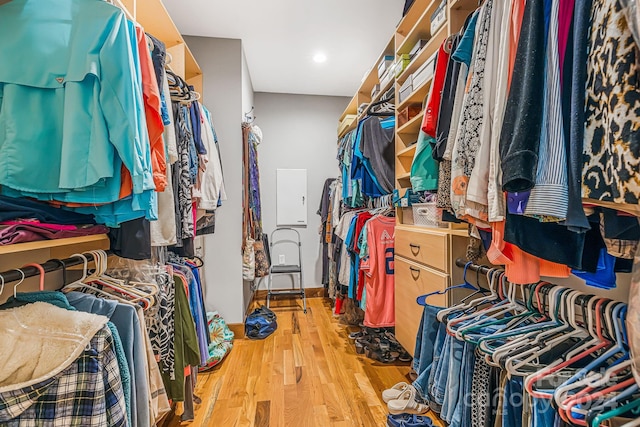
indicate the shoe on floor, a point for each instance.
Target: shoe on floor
{"x":406,"y":420}
{"x":394,"y":392}
{"x":406,"y":403}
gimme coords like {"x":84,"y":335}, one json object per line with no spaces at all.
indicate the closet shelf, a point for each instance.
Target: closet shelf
{"x":421,"y":29}
{"x":417,"y":96}
{"x":409,"y":20}
{"x":404,"y":176}
{"x":463,"y":4}
{"x":412,"y":126}
{"x":410,"y":151}
{"x":432,"y":47}
{"x":348,"y":129}
{"x":371,"y":78}
{"x":377,"y":98}
{"x":352,"y":108}
{"x":98,"y":241}
{"x":379,"y":95}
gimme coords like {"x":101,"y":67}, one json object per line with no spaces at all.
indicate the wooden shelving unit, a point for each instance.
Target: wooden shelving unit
{"x":98,"y":241}
{"x":412,"y":127}
{"x":155,"y":19}
{"x":442,"y":245}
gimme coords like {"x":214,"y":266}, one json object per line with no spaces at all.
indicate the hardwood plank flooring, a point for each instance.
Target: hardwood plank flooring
{"x":306,"y":374}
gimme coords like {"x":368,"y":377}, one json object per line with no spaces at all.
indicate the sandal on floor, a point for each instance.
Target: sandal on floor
{"x":407,"y":404}
{"x":394,"y":392}
{"x":405,"y":357}
{"x":406,"y":420}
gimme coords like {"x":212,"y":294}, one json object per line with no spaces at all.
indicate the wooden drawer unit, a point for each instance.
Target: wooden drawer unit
{"x":411,"y":281}
{"x":430,"y":248}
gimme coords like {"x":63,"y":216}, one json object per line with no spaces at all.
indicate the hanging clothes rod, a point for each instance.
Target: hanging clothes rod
{"x":14,"y":275}
{"x":482,"y":269}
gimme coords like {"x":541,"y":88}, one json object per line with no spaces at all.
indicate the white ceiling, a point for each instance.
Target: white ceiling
{"x":280,"y":38}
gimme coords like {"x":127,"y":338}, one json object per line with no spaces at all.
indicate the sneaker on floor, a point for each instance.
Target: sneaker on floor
{"x":406,"y":420}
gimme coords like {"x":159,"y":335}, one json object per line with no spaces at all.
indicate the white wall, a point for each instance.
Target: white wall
{"x":299,"y":132}
{"x":221,"y":63}
{"x":247,"y":86}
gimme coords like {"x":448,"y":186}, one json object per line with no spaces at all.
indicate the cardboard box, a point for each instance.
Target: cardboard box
{"x":408,"y":113}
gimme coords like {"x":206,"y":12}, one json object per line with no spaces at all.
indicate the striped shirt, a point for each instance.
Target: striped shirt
{"x":549,"y":197}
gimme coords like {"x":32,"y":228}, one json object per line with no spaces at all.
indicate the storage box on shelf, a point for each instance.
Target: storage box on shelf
{"x":410,"y":119}
{"x":371,"y":89}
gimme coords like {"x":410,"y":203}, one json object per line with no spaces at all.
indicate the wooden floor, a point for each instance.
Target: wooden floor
{"x":306,"y":374}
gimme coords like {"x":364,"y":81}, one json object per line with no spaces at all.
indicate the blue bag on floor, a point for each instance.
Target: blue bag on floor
{"x":260,"y":324}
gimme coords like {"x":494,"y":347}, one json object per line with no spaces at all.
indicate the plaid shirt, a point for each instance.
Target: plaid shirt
{"x":86,"y":394}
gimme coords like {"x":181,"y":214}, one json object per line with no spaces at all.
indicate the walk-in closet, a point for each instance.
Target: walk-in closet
{"x":406,"y":213}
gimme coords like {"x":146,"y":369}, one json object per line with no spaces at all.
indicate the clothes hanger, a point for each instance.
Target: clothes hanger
{"x":592,"y":381}
{"x":520,"y":336}
{"x":492,"y":276}
{"x":617,"y":349}
{"x":597,"y":343}
{"x":117,"y":285}
{"x":571,"y":407}
{"x":546,"y":341}
{"x":17,"y":284}
{"x":80,"y":283}
{"x":614,"y":402}
{"x":421,"y":300}
{"x":508,"y":325}
{"x":531,"y":355}
{"x":633,"y":407}
{"x":527,"y":344}
{"x":622,"y":364}
{"x":487,"y":315}
{"x":2,"y":284}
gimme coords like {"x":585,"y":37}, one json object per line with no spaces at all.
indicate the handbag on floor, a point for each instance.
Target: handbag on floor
{"x":260,"y":324}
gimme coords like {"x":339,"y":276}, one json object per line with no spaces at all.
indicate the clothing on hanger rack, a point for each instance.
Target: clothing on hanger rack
{"x":504,"y":355}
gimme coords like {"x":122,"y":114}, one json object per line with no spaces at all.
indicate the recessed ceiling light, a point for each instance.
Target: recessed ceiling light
{"x":319,"y":57}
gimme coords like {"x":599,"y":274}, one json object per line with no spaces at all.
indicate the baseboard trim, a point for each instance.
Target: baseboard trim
{"x":237,"y":329}
{"x":261,"y":294}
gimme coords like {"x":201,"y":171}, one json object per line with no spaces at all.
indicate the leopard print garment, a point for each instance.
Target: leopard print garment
{"x":611,"y":165}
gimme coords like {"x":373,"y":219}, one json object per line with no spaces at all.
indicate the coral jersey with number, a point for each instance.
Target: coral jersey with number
{"x":379,"y":282}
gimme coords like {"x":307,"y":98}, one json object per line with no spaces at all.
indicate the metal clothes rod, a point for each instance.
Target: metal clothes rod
{"x":14,"y":275}
{"x":482,"y":269}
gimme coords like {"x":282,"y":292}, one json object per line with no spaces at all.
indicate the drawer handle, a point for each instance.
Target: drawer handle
{"x":415,"y":249}
{"x":415,"y":273}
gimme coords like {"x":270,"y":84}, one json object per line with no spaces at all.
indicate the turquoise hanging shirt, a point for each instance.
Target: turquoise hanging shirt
{"x":69,"y":113}
{"x":424,"y":169}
